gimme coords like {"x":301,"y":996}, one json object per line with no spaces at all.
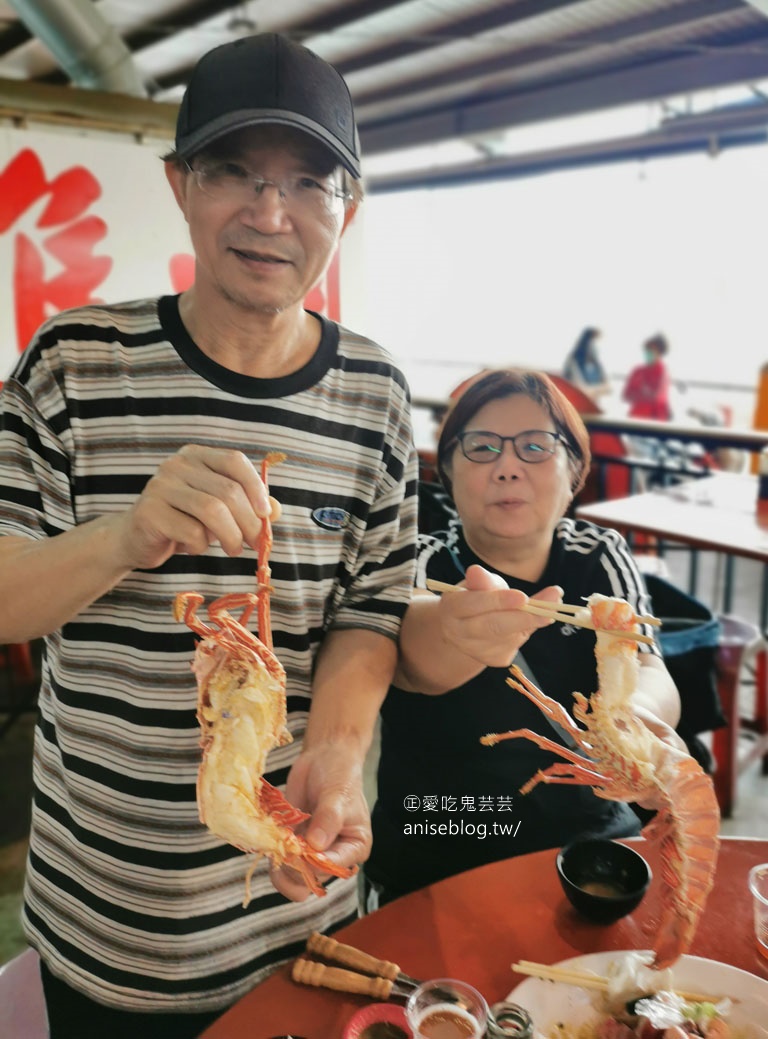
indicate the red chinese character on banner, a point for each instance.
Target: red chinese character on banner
{"x":71,"y":241}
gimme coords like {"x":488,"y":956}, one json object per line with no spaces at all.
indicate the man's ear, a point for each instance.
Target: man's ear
{"x":177,"y":178}
{"x":349,"y":215}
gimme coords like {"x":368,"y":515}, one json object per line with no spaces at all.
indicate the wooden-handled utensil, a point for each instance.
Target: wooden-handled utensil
{"x":320,"y":975}
{"x":330,"y":949}
{"x":369,"y":975}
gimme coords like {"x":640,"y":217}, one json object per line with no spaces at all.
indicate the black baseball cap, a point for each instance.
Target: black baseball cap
{"x":267,"y":78}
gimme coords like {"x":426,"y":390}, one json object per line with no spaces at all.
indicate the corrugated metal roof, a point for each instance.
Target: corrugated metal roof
{"x":427,"y":71}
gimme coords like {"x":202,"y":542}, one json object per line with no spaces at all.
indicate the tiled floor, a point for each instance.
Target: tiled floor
{"x":750,"y":816}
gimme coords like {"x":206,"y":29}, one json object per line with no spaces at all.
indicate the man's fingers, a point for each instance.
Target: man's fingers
{"x":218,"y":490}
{"x":290,"y":883}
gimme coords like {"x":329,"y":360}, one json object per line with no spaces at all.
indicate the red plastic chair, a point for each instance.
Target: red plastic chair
{"x":616,"y":479}
{"x":18,"y":658}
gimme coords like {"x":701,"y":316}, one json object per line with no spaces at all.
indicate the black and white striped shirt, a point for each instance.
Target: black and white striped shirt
{"x":128,"y":897}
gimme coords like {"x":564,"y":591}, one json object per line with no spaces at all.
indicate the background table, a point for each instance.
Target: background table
{"x":717,"y":513}
{"x":475,"y":925}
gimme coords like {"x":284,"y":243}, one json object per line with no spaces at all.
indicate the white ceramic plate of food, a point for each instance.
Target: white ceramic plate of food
{"x":562,"y":1011}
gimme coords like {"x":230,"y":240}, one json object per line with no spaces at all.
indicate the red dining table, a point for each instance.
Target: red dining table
{"x":475,"y":925}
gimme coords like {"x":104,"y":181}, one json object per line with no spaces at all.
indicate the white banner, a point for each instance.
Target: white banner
{"x":89,"y":217}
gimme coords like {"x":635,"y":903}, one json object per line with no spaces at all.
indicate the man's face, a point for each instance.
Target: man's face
{"x":258,"y":250}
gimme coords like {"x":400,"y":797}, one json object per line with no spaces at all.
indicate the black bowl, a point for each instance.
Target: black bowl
{"x":603,"y":880}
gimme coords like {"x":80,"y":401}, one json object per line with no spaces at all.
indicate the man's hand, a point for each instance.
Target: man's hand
{"x":198,"y":497}
{"x":326,"y":780}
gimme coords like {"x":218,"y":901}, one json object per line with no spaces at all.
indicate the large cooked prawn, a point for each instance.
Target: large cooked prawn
{"x":627,"y":762}
{"x":241,"y":708}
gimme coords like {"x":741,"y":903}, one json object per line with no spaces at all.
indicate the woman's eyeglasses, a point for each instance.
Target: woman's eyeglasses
{"x":533,"y":445}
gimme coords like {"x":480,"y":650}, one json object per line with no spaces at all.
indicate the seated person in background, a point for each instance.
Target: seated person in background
{"x":583,"y":367}
{"x":512,"y":452}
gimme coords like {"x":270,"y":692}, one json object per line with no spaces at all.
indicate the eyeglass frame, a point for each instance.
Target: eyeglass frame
{"x":558,"y":438}
{"x":258,"y":183}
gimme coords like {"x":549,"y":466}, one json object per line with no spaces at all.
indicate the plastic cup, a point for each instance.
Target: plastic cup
{"x":758,"y":885}
{"x":446,"y":1009}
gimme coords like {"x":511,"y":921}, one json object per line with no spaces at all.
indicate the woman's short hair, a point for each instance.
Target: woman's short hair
{"x":509,"y":382}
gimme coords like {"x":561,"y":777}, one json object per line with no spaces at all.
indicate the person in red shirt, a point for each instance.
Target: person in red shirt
{"x":647,"y":387}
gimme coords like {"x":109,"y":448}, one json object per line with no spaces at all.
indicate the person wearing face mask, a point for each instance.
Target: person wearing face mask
{"x":647,"y":387}
{"x":512,"y":453}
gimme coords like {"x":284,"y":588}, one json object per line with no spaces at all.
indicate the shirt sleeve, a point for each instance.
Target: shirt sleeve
{"x":35,"y":451}
{"x":380,"y":588}
{"x":622,"y":579}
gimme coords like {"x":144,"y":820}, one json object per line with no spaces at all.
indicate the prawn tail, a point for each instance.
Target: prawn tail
{"x":688,"y":829}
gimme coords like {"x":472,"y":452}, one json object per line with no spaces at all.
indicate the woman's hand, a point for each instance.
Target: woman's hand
{"x":485,"y":620}
{"x":659,"y":728}
{"x":446,"y":641}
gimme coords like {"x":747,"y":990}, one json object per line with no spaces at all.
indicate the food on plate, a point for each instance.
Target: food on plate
{"x":638,"y":1002}
{"x":664,"y":1015}
{"x":628,"y":762}
{"x":241,"y":708}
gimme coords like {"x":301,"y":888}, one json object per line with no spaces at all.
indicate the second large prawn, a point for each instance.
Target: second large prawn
{"x":623,"y":760}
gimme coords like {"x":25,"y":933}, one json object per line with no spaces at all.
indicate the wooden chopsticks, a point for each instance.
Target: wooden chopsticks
{"x":586,"y":979}
{"x":565,"y":612}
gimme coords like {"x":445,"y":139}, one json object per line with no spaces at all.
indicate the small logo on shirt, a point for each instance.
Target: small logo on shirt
{"x":568,"y":629}
{"x":330,"y":518}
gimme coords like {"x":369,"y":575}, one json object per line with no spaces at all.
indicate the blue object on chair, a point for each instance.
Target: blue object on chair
{"x":689,"y":639}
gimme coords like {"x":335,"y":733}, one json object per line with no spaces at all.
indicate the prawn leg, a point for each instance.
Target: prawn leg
{"x":551,"y":708}
{"x":566,"y":775}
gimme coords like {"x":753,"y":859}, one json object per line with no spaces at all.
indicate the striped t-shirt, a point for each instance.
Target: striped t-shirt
{"x":128,"y":897}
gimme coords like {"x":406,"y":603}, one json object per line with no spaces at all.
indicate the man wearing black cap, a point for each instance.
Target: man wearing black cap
{"x":129,"y":466}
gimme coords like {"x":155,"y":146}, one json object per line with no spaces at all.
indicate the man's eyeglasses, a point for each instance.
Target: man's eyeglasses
{"x":533,"y":445}
{"x":228,"y":181}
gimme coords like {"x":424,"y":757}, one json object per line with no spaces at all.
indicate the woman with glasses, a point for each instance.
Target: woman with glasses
{"x":512,"y":453}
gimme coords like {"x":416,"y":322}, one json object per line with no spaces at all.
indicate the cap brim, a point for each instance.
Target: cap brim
{"x":190,"y":144}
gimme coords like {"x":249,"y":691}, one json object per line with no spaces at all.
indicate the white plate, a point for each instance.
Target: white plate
{"x":551,"y":1002}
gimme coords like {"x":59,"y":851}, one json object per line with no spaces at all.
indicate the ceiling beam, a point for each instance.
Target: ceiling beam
{"x":653,"y":145}
{"x":642,"y":83}
{"x":310,"y":25}
{"x":26,"y":102}
{"x":626,"y":32}
{"x":505,"y":16}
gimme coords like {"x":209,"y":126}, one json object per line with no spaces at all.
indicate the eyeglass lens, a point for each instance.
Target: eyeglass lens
{"x":533,"y":445}
{"x":233,"y":182}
